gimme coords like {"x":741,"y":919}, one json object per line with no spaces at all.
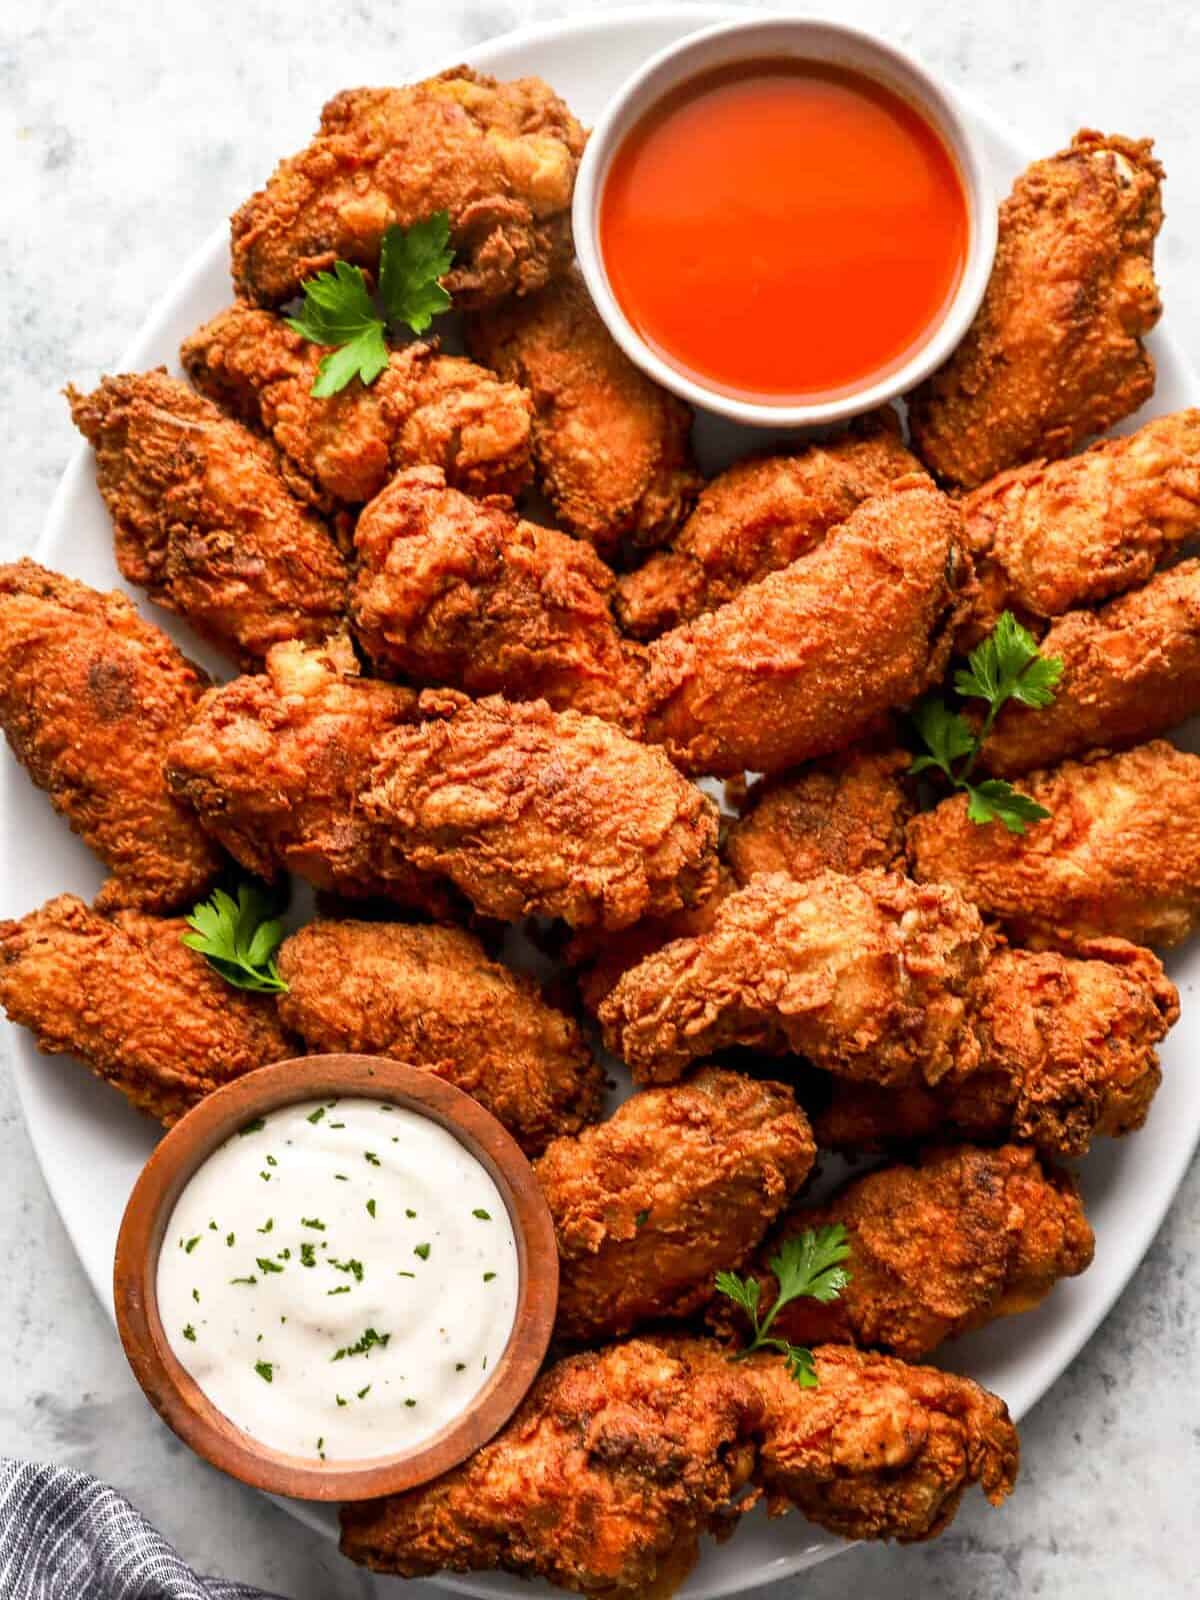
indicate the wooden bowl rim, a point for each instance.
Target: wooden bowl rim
{"x":174,"y":1393}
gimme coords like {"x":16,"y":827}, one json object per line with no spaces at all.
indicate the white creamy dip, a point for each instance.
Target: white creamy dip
{"x":340,"y":1278}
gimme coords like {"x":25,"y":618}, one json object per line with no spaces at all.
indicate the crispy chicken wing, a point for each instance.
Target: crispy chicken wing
{"x":758,"y":516}
{"x":869,"y":977}
{"x":678,"y":1183}
{"x":452,"y":591}
{"x":538,"y":812}
{"x":424,"y":409}
{"x":610,"y":447}
{"x":90,"y":697}
{"x":499,"y":157}
{"x":1119,"y":854}
{"x":809,"y":659}
{"x":1055,"y":353}
{"x":430,"y":997}
{"x":204,"y":521}
{"x":134,"y":1004}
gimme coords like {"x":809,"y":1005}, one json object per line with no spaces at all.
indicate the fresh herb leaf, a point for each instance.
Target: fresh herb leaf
{"x":191,"y":1244}
{"x":362,"y":1346}
{"x":265,"y":1264}
{"x":994,"y":800}
{"x":356,"y":1267}
{"x":411,"y":262}
{"x":267,"y":1226}
{"x":308,"y":1254}
{"x":189,"y":1333}
{"x":484,"y":1216}
{"x":239,"y":938}
{"x":421,"y":1250}
{"x":809,"y":1265}
{"x":265,"y":1370}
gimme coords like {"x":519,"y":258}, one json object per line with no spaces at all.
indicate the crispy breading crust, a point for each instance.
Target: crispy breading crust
{"x":138,"y":1008}
{"x":676,"y":1184}
{"x":430,"y":997}
{"x":611,"y":447}
{"x":90,"y":697}
{"x":452,"y":591}
{"x":499,"y":157}
{"x":203,"y":520}
{"x":1055,"y":353}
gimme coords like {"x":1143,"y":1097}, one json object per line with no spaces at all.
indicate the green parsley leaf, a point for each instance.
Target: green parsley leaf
{"x":362,"y":1346}
{"x":946,"y":733}
{"x":807,"y":1265}
{"x":997,"y":801}
{"x":411,"y":261}
{"x":239,"y":938}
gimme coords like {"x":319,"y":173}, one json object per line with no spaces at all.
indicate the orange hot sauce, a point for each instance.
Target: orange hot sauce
{"x":783,"y":229}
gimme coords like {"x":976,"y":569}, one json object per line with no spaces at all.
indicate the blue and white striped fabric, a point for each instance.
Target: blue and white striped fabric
{"x":65,"y":1536}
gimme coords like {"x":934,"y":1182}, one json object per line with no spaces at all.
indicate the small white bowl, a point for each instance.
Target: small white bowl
{"x":808,"y":39}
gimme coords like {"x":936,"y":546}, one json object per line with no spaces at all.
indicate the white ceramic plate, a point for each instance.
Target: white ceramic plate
{"x":91,"y":1145}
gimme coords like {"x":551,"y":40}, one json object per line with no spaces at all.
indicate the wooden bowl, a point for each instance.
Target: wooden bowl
{"x":177,"y":1397}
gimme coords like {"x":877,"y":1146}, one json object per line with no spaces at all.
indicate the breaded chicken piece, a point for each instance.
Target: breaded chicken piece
{"x":430,"y":997}
{"x":499,"y":157}
{"x":611,"y":448}
{"x":758,"y":516}
{"x":869,"y":977}
{"x":937,"y":1249}
{"x":879,"y":1449}
{"x":1118,"y":856}
{"x":90,"y":697}
{"x":808,"y":660}
{"x":452,"y":591}
{"x":1066,"y":1055}
{"x":1131,"y":669}
{"x":1055,"y":353}
{"x":678,"y":1183}
{"x":272,"y":765}
{"x":424,"y":409}
{"x":203,"y":520}
{"x":534,"y":812}
{"x":1052,"y":536}
{"x":124,"y":994}
{"x":846,"y":813}
{"x":602,"y":1483}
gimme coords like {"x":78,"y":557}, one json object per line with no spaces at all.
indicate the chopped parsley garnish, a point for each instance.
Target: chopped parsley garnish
{"x":315,"y":1116}
{"x":641,"y":1219}
{"x":251,"y":1279}
{"x":340,"y":1401}
{"x":267,"y":1226}
{"x":239,"y":938}
{"x":460,"y":1366}
{"x":488,"y":1276}
{"x":265,"y":1176}
{"x":406,"y":1274}
{"x":191,"y":1244}
{"x":409,"y":1213}
{"x":421,"y":1250}
{"x":321,"y":1447}
{"x":363,"y":1345}
{"x":308,"y":1254}
{"x":312,"y":1222}
{"x":265,"y":1264}
{"x":410,"y":1402}
{"x":256,"y":1126}
{"x":285,"y":1255}
{"x":341,"y":1177}
{"x":265,"y":1370}
{"x":271,"y":1161}
{"x":369,"y":1155}
{"x":337,"y":1124}
{"x":364,"y":1392}
{"x":230,"y":1239}
{"x":370,"y":1208}
{"x":808,"y":1265}
{"x":356,"y":1267}
{"x":196,"y":1296}
{"x":342,"y":1288}
{"x":190,"y":1333}
{"x":484,"y":1216}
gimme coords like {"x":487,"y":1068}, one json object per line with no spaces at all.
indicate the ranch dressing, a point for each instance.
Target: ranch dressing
{"x":340,"y":1278}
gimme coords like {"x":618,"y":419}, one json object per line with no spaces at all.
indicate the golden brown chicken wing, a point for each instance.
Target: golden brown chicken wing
{"x":203,"y":520}
{"x":869,"y":977}
{"x":424,"y":409}
{"x":499,"y":157}
{"x":272,"y":765}
{"x":937,"y":1249}
{"x":1055,"y":353}
{"x":538,"y":812}
{"x":124,"y":994}
{"x":90,"y":697}
{"x":610,"y":447}
{"x":429,"y":996}
{"x":808,"y":660}
{"x":758,"y":516}
{"x":678,"y":1183}
{"x":1119,"y":854}
{"x":452,"y":591}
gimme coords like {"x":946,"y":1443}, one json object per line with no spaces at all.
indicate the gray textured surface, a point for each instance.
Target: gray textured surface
{"x":128,"y":129}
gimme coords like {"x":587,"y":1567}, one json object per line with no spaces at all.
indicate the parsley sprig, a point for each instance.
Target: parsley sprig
{"x":239,"y":938}
{"x":1006,"y":666}
{"x":339,"y":311}
{"x":808,"y":1265}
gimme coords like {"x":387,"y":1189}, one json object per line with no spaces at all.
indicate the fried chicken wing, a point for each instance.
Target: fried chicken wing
{"x":430,"y":997}
{"x":424,"y":409}
{"x":809,"y":659}
{"x":869,"y":977}
{"x":937,"y":1249}
{"x":452,"y":591}
{"x":138,"y":1008}
{"x":758,"y":516}
{"x":1052,"y":536}
{"x":603,"y":1482}
{"x":204,"y":521}
{"x":611,"y":448}
{"x":272,"y":765}
{"x":1055,"y":353}
{"x":538,"y":812}
{"x":1066,"y":1055}
{"x":1119,"y":854}
{"x":678,"y":1183}
{"x":90,"y":697}
{"x":499,"y":157}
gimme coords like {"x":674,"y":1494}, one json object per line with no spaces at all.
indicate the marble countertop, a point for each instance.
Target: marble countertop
{"x":130,"y":128}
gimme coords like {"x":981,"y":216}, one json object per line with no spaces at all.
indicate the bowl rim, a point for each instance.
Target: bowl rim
{"x":175,"y":1394}
{"x":936,"y":100}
